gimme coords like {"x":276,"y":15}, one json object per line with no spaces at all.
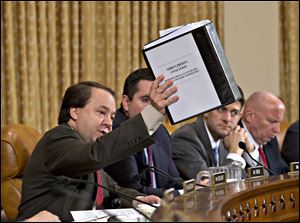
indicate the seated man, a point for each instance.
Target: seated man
{"x":84,"y":143}
{"x":261,"y":119}
{"x":290,"y":146}
{"x":212,"y":140}
{"x":132,"y":172}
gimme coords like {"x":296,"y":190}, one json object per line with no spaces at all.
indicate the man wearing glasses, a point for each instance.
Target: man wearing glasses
{"x":212,"y":140}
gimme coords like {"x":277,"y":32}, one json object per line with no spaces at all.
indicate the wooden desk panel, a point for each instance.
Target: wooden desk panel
{"x":272,"y":199}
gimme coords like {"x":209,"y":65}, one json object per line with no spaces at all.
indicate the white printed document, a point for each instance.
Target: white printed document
{"x":186,"y":67}
{"x":122,"y":214}
{"x":193,"y":57}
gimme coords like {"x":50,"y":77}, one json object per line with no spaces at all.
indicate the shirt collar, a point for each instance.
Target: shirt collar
{"x":213,"y":143}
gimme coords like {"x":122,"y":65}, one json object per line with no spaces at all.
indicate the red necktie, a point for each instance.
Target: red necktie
{"x":99,"y":197}
{"x":262,"y":156}
{"x":150,"y":163}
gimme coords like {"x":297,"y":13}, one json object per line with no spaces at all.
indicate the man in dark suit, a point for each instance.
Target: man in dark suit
{"x":290,"y":146}
{"x":84,"y":143}
{"x":212,"y":140}
{"x":261,"y":118}
{"x":131,"y":172}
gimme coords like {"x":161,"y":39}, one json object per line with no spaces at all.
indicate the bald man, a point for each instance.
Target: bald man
{"x":262,"y":115}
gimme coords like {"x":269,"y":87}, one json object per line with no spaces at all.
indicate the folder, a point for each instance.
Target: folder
{"x":193,"y":57}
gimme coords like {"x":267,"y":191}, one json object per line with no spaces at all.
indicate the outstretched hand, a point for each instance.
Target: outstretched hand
{"x":161,"y":96}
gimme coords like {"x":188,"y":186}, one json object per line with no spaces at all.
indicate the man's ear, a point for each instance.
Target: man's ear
{"x":74,"y":113}
{"x":125,"y":103}
{"x":248,"y":114}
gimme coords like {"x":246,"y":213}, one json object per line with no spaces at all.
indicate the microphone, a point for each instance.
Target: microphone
{"x":64,"y":180}
{"x":164,"y":174}
{"x":242,"y":145}
{"x":159,"y":172}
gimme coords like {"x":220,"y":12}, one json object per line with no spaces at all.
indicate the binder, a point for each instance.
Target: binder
{"x":193,"y":57}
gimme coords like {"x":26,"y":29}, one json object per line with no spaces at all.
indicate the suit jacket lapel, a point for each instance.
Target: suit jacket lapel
{"x":206,"y":142}
{"x":268,"y":153}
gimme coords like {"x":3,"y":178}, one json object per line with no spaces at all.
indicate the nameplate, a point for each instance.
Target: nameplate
{"x":218,"y":179}
{"x":255,"y":172}
{"x":189,"y":186}
{"x":294,"y":166}
{"x":169,"y":195}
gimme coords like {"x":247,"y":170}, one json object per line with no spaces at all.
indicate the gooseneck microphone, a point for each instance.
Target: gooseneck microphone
{"x":242,"y":145}
{"x":159,"y":172}
{"x":164,"y":174}
{"x":67,"y":180}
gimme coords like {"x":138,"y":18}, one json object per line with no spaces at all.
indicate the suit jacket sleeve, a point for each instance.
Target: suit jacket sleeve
{"x":129,"y":172}
{"x":275,"y":161}
{"x":126,"y":172}
{"x":290,"y":147}
{"x":125,"y":202}
{"x":164,"y":161}
{"x":189,"y":153}
{"x":67,"y":154}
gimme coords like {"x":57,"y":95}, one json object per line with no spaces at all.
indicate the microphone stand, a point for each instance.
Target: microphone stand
{"x":67,"y":180}
{"x":242,"y":145}
{"x":162,"y":173}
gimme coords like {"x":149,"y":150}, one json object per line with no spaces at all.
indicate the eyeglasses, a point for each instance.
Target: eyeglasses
{"x":233,"y":113}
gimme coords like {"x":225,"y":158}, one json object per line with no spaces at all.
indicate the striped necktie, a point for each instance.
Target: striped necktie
{"x":150,"y":163}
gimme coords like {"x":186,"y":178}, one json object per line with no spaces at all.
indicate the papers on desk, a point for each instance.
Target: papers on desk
{"x":123,"y":215}
{"x":181,"y":192}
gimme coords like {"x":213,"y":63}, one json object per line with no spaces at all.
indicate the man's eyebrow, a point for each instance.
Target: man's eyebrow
{"x":105,"y":107}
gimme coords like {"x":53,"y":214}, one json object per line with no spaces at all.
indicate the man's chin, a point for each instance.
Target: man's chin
{"x":263,"y":142}
{"x":226,"y":129}
{"x":98,"y":135}
{"x":223,"y":133}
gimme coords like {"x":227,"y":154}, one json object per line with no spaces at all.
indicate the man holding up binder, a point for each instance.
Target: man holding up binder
{"x":82,"y":144}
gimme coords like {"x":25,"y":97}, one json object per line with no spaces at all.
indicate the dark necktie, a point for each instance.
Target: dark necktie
{"x":99,"y":197}
{"x":262,"y":156}
{"x":150,"y":163}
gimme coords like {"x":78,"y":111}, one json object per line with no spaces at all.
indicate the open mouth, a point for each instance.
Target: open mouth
{"x":103,"y":132}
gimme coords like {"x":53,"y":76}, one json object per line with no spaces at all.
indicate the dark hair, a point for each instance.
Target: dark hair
{"x":77,"y":96}
{"x":242,"y":99}
{"x":131,"y":82}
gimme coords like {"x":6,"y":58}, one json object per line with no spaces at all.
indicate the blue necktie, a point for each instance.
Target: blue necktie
{"x":216,"y":153}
